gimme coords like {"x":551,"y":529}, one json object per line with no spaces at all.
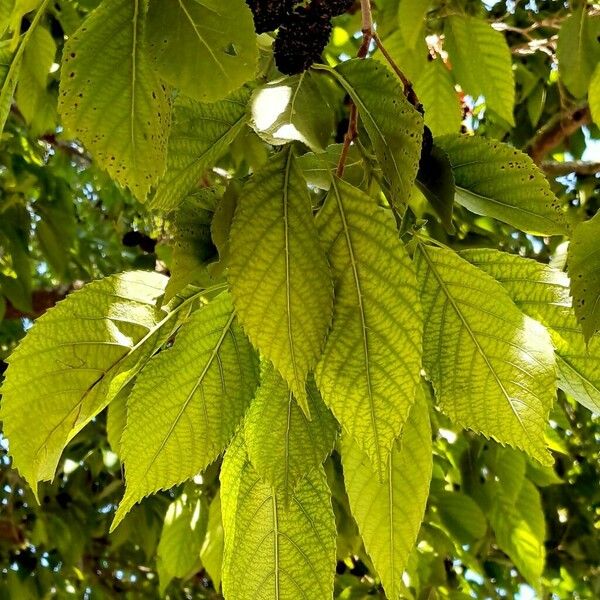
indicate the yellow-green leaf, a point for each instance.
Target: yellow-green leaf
{"x":389,"y":512}
{"x":205,"y":48}
{"x":275,"y":550}
{"x":280,"y":280}
{"x":111,"y":98}
{"x":187,"y":403}
{"x":372,"y":359}
{"x":491,"y":366}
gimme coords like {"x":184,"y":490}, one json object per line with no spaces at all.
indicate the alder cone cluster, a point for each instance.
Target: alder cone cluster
{"x":303,"y":30}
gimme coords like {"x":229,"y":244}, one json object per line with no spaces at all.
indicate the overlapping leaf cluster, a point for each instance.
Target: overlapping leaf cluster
{"x":307,"y":309}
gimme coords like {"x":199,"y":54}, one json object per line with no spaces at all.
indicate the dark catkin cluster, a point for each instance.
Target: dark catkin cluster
{"x":303,"y":29}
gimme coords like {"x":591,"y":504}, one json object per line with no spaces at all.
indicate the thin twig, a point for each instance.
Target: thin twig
{"x":578,"y":167}
{"x":367,"y":32}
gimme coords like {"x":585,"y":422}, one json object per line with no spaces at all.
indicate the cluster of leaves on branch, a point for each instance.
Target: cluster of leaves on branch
{"x":342,"y":337}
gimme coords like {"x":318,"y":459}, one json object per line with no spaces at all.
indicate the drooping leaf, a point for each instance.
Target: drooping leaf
{"x":178,"y":552}
{"x":192,"y":245}
{"x":187,"y":403}
{"x":543,"y":292}
{"x":435,"y":88}
{"x":481,"y":62}
{"x":75,"y":359}
{"x":274,"y":246}
{"x":520,"y":530}
{"x":38,"y":57}
{"x":584,"y":268}
{"x":294,"y":108}
{"x":495,"y":180}
{"x":578,"y":50}
{"x":10,"y":64}
{"x":411,"y":15}
{"x":376,"y":320}
{"x":594,"y":95}
{"x":413,"y":59}
{"x":283,"y":445}
{"x":435,"y":179}
{"x":394,"y":127}
{"x":275,"y":551}
{"x":461,"y":515}
{"x":200,"y":134}
{"x":205,"y":48}
{"x":211,"y":553}
{"x":492,"y":367}
{"x":116,"y":418}
{"x":116,"y":106}
{"x":389,"y":512}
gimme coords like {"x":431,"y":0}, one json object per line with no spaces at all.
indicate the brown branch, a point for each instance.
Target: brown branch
{"x":41,"y":301}
{"x":557,"y":131}
{"x":579,"y":167}
{"x":351,"y":133}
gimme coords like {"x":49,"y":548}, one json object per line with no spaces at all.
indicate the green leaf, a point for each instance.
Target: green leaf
{"x":543,"y":293}
{"x":294,"y":108}
{"x":38,"y":57}
{"x":594,"y":95}
{"x":520,"y":530}
{"x":178,"y":552}
{"x":274,"y":245}
{"x":461,"y":515}
{"x":192,"y":244}
{"x":413,"y":60}
{"x":283,"y":445}
{"x":318,"y":169}
{"x":496,"y":180}
{"x":112,"y":100}
{"x":274,"y":551}
{"x":200,"y":135}
{"x":10,"y":64}
{"x":435,"y":88}
{"x":211,"y":553}
{"x":435,"y":179}
{"x":584,"y":268}
{"x":377,"y":318}
{"x":492,"y":367}
{"x":394,"y":127}
{"x":75,"y":359}
{"x":481,"y":62}
{"x":205,"y":48}
{"x":186,"y":405}
{"x":411,"y":17}
{"x":389,"y":512}
{"x":116,"y":418}
{"x":578,"y":50}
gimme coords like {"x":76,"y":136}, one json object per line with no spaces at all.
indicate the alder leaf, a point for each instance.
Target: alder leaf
{"x":389,"y":512}
{"x":112,"y":100}
{"x":543,"y":293}
{"x":200,"y":135}
{"x":578,"y":50}
{"x":187,"y":403}
{"x":75,"y":359}
{"x":280,"y":280}
{"x":283,"y":445}
{"x":273,"y":550}
{"x":481,"y":62}
{"x":583,"y":263}
{"x":496,"y":180}
{"x":394,"y":127}
{"x":294,"y":108}
{"x":492,"y":367}
{"x":178,"y":552}
{"x":205,"y":48}
{"x":594,"y":95}
{"x":377,"y":319}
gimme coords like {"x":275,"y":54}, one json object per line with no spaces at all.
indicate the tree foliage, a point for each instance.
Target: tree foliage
{"x":299,"y":300}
